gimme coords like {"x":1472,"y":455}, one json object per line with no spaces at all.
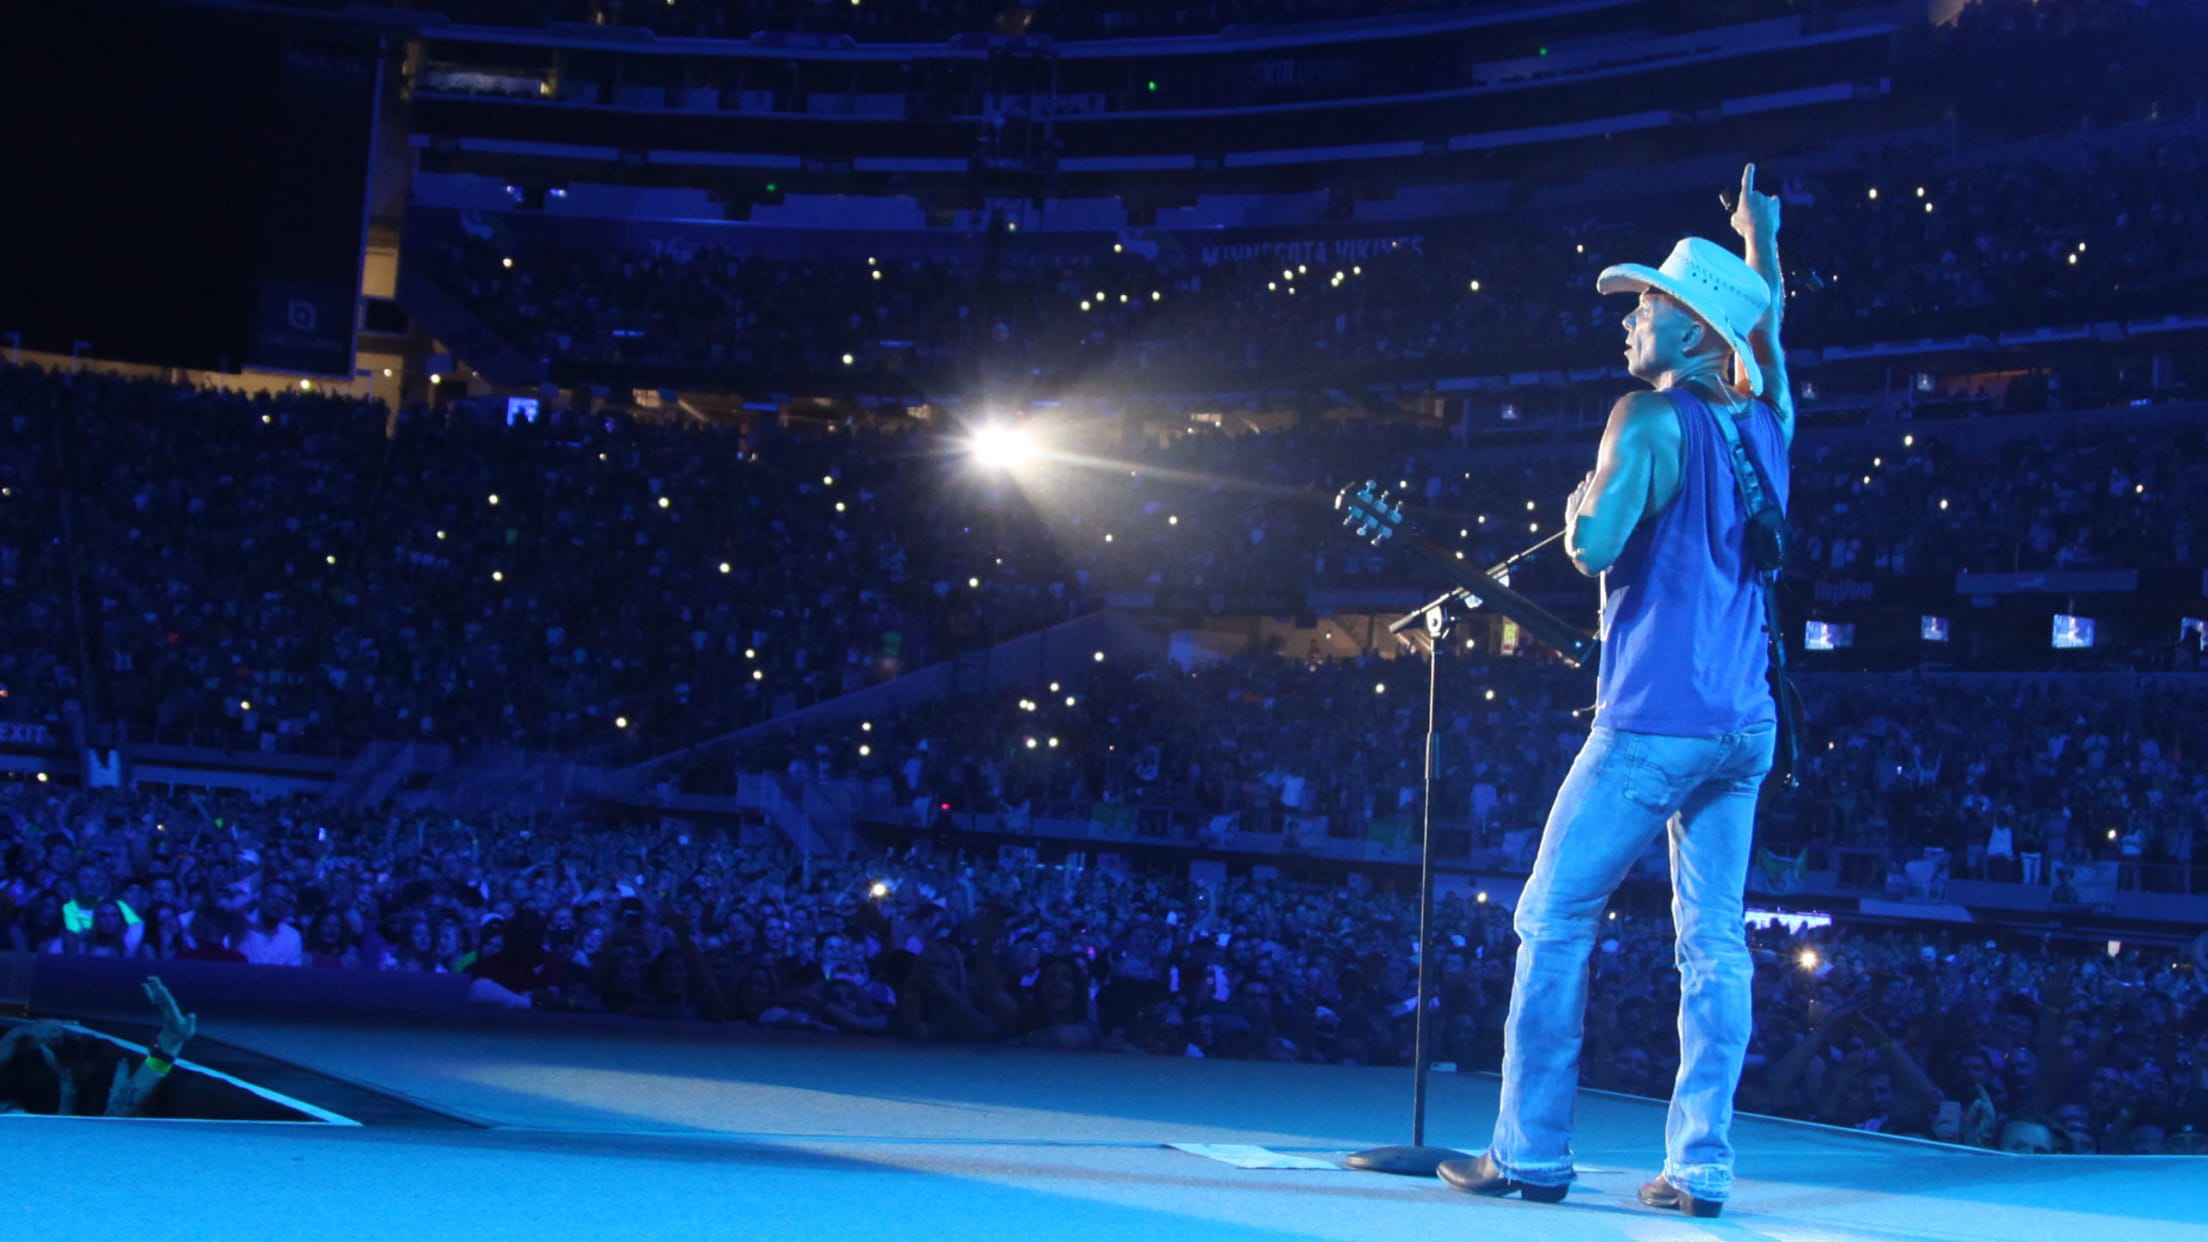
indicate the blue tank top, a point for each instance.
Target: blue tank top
{"x":1683,"y":650}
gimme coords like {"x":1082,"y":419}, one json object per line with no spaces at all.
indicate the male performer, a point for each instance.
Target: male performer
{"x":1684,"y":725}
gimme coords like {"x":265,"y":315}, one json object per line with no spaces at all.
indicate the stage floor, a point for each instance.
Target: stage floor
{"x":609,"y":1128}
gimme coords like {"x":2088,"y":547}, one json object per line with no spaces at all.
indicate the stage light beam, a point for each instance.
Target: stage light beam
{"x":1002,"y":447}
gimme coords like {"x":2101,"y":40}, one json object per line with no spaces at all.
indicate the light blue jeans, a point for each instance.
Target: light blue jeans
{"x":1623,"y":789}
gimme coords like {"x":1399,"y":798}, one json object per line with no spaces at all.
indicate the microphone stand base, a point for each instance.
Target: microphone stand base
{"x":1402,"y":1161}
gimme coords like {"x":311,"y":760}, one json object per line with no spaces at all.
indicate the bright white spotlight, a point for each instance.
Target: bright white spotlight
{"x":1002,"y":447}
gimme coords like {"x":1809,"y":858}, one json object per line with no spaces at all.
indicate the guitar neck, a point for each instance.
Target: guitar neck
{"x":1574,"y":644}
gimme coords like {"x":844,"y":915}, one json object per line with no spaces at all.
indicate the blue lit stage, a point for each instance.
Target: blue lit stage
{"x":611,"y":1128}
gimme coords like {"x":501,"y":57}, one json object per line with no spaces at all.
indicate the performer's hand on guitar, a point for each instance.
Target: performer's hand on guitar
{"x":1579,"y":495}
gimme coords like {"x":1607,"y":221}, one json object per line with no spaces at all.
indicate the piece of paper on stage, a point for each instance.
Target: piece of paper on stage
{"x":1248,"y":1156}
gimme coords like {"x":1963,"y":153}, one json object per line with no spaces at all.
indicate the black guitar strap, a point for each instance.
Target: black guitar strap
{"x":1764,"y":513}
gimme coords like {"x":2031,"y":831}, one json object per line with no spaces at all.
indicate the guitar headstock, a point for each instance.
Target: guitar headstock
{"x":1369,"y":512}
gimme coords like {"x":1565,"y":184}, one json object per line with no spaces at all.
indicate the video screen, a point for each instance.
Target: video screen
{"x":1932,"y":629}
{"x":2071,"y":632}
{"x":1794,"y":921}
{"x":1827,"y":635}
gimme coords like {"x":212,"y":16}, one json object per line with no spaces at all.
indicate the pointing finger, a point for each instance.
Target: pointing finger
{"x":1747,"y":182}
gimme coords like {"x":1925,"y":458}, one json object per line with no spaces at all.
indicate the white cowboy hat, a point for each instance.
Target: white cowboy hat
{"x":1713,"y":282}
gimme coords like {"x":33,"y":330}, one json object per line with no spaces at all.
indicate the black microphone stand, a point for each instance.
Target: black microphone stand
{"x":1497,"y":570}
{"x":1417,"y":1159}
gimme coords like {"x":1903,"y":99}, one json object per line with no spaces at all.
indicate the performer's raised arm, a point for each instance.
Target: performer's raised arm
{"x":1756,"y":219}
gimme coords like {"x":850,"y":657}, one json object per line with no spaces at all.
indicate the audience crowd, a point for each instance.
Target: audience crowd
{"x":308,"y":571}
{"x":2005,"y":778}
{"x":2037,"y":226}
{"x":2078,"y":770}
{"x":2010,"y":1041}
{"x":1211,"y":520}
{"x":241,"y":566}
{"x":2064,"y":235}
{"x":303,"y":571}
